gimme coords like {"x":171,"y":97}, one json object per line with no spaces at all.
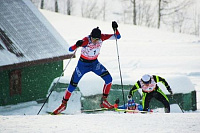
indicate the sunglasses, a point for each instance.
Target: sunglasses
{"x":95,"y":39}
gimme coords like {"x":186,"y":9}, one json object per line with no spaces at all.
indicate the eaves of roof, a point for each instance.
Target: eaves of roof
{"x":36,"y":62}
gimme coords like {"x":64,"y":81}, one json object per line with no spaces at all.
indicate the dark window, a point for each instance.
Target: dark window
{"x":15,"y":82}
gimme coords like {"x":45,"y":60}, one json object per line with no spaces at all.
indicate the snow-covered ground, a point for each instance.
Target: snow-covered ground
{"x":102,"y":123}
{"x":141,"y":50}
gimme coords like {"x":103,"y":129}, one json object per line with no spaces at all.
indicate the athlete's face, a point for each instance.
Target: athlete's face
{"x":95,"y":40}
{"x":147,"y":84}
{"x":132,"y":107}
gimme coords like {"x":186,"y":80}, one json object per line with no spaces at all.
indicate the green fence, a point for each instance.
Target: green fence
{"x":186,"y":101}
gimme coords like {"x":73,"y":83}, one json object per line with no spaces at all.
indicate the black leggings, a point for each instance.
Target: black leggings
{"x":157,"y":94}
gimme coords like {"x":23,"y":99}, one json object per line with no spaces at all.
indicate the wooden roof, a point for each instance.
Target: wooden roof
{"x":26,"y":37}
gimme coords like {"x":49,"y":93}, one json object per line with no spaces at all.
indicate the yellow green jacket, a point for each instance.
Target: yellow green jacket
{"x":151,"y":87}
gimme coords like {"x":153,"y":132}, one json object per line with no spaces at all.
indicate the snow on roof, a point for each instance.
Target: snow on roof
{"x":25,"y":34}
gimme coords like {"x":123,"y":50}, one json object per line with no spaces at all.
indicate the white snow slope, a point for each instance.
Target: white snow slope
{"x":102,"y":123}
{"x":141,"y":51}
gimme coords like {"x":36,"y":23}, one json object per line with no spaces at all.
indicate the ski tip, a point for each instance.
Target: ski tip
{"x":51,"y":113}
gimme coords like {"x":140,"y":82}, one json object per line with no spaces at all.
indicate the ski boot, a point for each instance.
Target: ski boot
{"x":116,"y":103}
{"x":167,"y":110}
{"x":105,"y":104}
{"x":61,"y":108}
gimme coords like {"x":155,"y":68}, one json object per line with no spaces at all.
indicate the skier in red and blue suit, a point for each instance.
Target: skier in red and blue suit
{"x":88,"y":61}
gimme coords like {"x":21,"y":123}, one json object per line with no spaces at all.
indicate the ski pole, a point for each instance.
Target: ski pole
{"x":56,"y":82}
{"x":119,"y":67}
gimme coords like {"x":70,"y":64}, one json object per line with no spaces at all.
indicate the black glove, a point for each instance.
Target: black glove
{"x":79,"y":43}
{"x":114,"y":25}
{"x":129,"y":97}
{"x":117,"y":101}
{"x":170,"y":91}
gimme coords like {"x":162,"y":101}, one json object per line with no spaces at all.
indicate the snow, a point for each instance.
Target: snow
{"x":142,"y":50}
{"x":107,"y":123}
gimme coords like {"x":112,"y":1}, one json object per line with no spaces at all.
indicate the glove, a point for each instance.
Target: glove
{"x":170,"y":91}
{"x":79,"y":43}
{"x":129,"y":97}
{"x":117,"y":101}
{"x":114,"y":25}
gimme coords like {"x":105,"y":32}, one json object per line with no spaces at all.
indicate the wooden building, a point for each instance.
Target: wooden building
{"x":31,"y":53}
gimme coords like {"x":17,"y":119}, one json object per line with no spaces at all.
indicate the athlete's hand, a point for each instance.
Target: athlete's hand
{"x":114,"y":25}
{"x":117,"y":101}
{"x":129,"y":97}
{"x":170,"y":91}
{"x":79,"y":43}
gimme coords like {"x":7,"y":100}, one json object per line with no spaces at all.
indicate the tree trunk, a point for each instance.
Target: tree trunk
{"x":42,"y":4}
{"x":56,"y":6}
{"x":104,"y":10}
{"x":68,"y":7}
{"x":159,"y":14}
{"x":134,"y":12}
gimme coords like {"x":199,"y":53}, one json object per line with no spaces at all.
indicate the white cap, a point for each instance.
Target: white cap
{"x":146,"y":78}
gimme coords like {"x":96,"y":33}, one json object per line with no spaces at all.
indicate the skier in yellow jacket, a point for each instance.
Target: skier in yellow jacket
{"x":150,"y":89}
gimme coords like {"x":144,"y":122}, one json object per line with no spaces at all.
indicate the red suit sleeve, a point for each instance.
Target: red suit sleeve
{"x":85,"y":42}
{"x":111,"y":36}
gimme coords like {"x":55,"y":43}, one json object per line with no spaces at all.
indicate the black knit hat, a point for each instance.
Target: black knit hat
{"x":96,"y":33}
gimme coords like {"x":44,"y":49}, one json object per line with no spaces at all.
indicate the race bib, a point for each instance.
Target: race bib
{"x":91,"y":51}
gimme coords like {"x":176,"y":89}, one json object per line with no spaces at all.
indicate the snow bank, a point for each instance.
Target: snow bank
{"x":91,"y":84}
{"x":73,"y":105}
{"x":180,"y":84}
